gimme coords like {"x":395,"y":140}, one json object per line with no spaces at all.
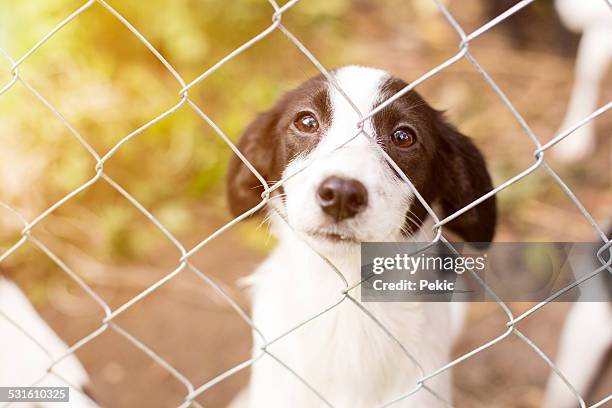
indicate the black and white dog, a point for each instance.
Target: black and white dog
{"x":349,"y":195}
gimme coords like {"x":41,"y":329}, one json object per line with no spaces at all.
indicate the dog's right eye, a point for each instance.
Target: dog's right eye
{"x":404,"y":137}
{"x":306,"y":122}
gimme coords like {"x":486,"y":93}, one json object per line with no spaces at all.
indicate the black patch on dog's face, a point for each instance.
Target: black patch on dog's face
{"x":272,"y":140}
{"x":313,"y":97}
{"x":444,"y":165}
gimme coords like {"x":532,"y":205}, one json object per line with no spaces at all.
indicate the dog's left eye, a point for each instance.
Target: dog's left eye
{"x":404,"y":137}
{"x":306,"y":122}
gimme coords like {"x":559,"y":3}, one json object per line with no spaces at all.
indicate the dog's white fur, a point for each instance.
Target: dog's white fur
{"x":22,"y":362}
{"x":344,"y":344}
{"x":594,"y":20}
{"x":342,"y":353}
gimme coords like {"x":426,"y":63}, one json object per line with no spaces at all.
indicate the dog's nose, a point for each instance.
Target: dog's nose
{"x":342,"y":198}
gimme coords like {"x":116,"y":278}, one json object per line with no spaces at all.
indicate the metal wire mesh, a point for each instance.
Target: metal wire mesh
{"x":192,"y":391}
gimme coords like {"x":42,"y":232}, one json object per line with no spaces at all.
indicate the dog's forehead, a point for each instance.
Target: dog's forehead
{"x":362,"y":85}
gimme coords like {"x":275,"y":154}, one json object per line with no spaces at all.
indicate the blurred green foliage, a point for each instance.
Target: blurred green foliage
{"x":107,"y":84}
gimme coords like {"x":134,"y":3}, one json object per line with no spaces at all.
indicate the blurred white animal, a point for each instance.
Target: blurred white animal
{"x":585,"y":340}
{"x":22,"y":362}
{"x":593,"y":18}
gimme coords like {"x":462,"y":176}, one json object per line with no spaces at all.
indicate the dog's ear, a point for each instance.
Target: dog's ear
{"x":464,"y":178}
{"x":259,"y":145}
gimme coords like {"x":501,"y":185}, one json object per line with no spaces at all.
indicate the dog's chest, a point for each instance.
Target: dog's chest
{"x":340,"y":349}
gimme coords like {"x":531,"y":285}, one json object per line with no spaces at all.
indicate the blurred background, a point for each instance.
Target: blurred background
{"x":107,"y":84}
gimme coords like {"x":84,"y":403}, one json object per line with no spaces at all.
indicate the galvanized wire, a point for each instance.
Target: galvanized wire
{"x":183,"y":263}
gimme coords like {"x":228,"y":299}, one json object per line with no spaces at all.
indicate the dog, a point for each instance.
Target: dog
{"x":351,"y":194}
{"x":594,"y":20}
{"x":559,"y":26}
{"x":585,"y":342}
{"x":22,"y":362}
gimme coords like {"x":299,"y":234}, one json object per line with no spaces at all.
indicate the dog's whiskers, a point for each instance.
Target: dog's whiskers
{"x":268,"y":217}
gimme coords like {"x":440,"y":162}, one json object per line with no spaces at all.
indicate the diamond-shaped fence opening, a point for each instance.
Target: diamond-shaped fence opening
{"x":184,"y":255}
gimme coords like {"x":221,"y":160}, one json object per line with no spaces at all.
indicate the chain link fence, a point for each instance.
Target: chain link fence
{"x":192,"y":391}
